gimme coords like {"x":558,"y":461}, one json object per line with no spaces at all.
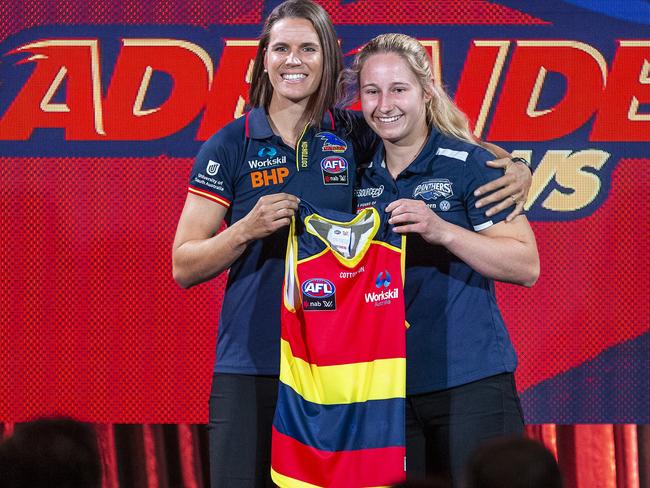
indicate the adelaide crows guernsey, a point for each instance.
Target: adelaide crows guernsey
{"x":339,"y":419}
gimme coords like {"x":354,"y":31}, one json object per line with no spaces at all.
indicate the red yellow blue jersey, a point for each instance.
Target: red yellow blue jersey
{"x":339,"y":419}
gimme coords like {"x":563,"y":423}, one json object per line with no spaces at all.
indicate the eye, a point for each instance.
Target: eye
{"x":370,"y":91}
{"x":310,"y":49}
{"x":279,"y":49}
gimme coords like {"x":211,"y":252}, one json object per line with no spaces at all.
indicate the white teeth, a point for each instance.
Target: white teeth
{"x":294,"y":76}
{"x":387,"y":120}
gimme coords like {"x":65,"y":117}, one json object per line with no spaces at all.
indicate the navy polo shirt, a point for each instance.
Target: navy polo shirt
{"x":239,"y":164}
{"x":456,"y":334}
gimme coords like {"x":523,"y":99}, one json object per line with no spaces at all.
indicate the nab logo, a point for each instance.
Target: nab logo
{"x":267,"y":152}
{"x":318,"y":288}
{"x":334,"y":165}
{"x":383,"y":279}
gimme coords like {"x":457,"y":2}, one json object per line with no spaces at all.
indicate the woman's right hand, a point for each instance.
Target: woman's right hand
{"x":201,"y":252}
{"x":270,"y":213}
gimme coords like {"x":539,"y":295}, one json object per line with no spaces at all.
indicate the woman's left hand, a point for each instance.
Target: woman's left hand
{"x":413,"y":216}
{"x":511,"y":189}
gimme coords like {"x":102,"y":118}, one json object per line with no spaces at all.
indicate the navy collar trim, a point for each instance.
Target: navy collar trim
{"x":421,"y":163}
{"x":258,"y":127}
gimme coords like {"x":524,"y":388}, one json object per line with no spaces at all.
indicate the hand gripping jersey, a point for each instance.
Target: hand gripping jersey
{"x":339,"y":419}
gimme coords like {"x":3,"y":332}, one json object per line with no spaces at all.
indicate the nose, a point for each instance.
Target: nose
{"x":293,"y":58}
{"x":385,"y":103}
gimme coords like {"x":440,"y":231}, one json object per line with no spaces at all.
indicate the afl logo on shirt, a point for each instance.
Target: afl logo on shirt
{"x":335,"y":170}
{"x":318,"y":294}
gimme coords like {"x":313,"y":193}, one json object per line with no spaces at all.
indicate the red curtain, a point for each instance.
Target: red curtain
{"x":162,"y":456}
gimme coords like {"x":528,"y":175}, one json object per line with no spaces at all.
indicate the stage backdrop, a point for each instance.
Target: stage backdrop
{"x":104,"y":104}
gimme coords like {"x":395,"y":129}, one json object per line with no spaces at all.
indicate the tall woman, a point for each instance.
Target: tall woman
{"x":460,"y":360}
{"x":250,"y":174}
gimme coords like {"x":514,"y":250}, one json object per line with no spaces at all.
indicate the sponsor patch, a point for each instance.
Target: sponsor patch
{"x":267,"y":152}
{"x":212,"y":168}
{"x":373,"y":192}
{"x":379,"y":299}
{"x":318,"y":294}
{"x":268,"y":177}
{"x":304,"y":154}
{"x":434,"y":189}
{"x":384,"y":295}
{"x":383,"y":279}
{"x":335,"y":170}
{"x":351,"y":274}
{"x":332,"y":142}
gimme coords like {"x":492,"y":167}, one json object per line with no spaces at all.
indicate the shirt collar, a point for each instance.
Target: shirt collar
{"x":258,"y":127}
{"x":421,"y":164}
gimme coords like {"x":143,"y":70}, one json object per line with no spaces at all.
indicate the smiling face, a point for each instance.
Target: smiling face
{"x":392,"y":99}
{"x":294,"y":61}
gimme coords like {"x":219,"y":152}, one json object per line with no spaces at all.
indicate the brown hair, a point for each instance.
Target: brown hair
{"x":261,"y":90}
{"x":441,"y":112}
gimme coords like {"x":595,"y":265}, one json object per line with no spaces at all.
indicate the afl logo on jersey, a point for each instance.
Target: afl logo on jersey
{"x":318,"y":288}
{"x":335,"y":170}
{"x":318,"y":295}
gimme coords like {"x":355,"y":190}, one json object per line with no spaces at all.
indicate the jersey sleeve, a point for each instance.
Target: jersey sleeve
{"x":478,"y":173}
{"x":215,"y":168}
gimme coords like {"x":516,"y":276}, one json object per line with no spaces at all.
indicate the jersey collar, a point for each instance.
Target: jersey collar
{"x":421,"y":164}
{"x":258,"y":127}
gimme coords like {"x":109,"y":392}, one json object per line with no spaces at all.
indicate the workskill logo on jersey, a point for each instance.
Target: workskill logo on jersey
{"x":335,"y":170}
{"x":318,"y":294}
{"x":384,"y":294}
{"x":332,"y":142}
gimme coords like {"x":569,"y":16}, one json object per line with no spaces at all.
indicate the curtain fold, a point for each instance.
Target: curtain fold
{"x":175,"y":456}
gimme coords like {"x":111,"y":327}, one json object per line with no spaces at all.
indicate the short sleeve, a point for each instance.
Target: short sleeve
{"x":478,"y":173}
{"x":215,"y":168}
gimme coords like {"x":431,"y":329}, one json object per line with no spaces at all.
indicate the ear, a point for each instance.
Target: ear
{"x":265,"y":61}
{"x":429,"y":92}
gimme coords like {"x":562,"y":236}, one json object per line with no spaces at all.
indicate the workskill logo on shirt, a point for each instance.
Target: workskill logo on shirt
{"x":269,"y":166}
{"x":318,"y":294}
{"x":335,"y":170}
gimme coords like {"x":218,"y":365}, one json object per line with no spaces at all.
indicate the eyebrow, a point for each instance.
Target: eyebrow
{"x":396,"y":83}
{"x":304,"y":44}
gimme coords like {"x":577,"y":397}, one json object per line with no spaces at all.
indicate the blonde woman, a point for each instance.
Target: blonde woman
{"x":460,"y":361}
